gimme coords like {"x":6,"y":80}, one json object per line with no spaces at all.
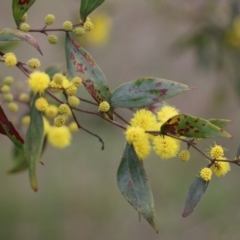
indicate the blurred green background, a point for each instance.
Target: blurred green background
{"x":78,"y":198}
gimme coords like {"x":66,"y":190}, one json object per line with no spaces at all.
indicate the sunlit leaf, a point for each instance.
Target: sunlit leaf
{"x":8,"y":34}
{"x":87,"y":6}
{"x":189,"y":126}
{"x":133,"y":184}
{"x":144,"y":92}
{"x":19,"y":7}
{"x":221,"y":123}
{"x":196,"y":192}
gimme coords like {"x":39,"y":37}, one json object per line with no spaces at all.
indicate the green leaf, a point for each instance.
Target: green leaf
{"x":20,"y":162}
{"x":189,"y":126}
{"x":8,"y":46}
{"x":196,"y":192}
{"x":221,"y":123}
{"x":19,"y":7}
{"x":8,"y":34}
{"x":87,"y":6}
{"x":80,"y":63}
{"x":51,"y":70}
{"x":144,"y":92}
{"x":133,"y":184}
{"x":34,"y":142}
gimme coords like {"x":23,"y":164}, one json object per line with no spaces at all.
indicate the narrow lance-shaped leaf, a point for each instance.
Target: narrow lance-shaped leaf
{"x":34,"y":142}
{"x":19,"y":7}
{"x":189,"y":126}
{"x":87,"y":6}
{"x":195,"y":193}
{"x":221,"y":123}
{"x":8,"y":34}
{"x":133,"y":184}
{"x":144,"y":92}
{"x":80,"y":63}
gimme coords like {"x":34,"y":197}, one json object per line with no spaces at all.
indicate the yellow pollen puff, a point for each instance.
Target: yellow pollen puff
{"x":8,"y":80}
{"x":26,"y":120}
{"x":73,"y":101}
{"x":24,"y":97}
{"x":73,"y":127}
{"x":51,"y":111}
{"x":184,"y":155}
{"x":33,"y":63}
{"x":49,"y":19}
{"x":79,"y":31}
{"x":64,"y":109}
{"x":13,"y":107}
{"x":220,"y":168}
{"x":8,"y":97}
{"x":58,"y":78}
{"x":24,"y":17}
{"x":134,"y":133}
{"x":10,"y":59}
{"x":65,"y":83}
{"x":166,"y":112}
{"x":77,"y":81}
{"x":59,"y":121}
{"x":54,"y":87}
{"x":67,"y":26}
{"x":217,"y":152}
{"x":25,"y":27}
{"x":206,"y":174}
{"x":46,"y":125}
{"x":41,"y":104}
{"x":103,"y":106}
{"x":88,"y":26}
{"x":38,"y":81}
{"x":5,"y":89}
{"x":71,"y":90}
{"x":59,"y":137}
{"x":53,"y":39}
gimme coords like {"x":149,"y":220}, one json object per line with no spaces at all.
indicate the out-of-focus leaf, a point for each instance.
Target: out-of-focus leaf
{"x":19,"y":7}
{"x":8,"y":46}
{"x":51,"y":70}
{"x":189,"y":126}
{"x":80,"y":63}
{"x":144,"y":92}
{"x":87,"y":6}
{"x":196,"y":192}
{"x":8,"y":34}
{"x":133,"y":184}
{"x":221,"y":123}
{"x":34,"y":142}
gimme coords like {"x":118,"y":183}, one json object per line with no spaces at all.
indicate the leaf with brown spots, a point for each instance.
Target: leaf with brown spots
{"x":133,"y":184}
{"x":189,"y":126}
{"x":145,"y":92}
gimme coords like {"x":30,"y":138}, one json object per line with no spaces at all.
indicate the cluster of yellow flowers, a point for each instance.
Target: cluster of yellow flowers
{"x":144,"y":120}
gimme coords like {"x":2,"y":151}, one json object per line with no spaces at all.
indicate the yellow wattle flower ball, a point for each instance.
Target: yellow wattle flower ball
{"x":73,"y":101}
{"x":166,"y":147}
{"x":76,"y":81}
{"x":64,"y":109}
{"x":166,"y":112}
{"x":206,"y":174}
{"x":59,"y":121}
{"x":54,"y":87}
{"x":33,"y":63}
{"x":79,"y":31}
{"x":59,"y":137}
{"x":184,"y":155}
{"x":103,"y":106}
{"x":24,"y":97}
{"x":8,"y":97}
{"x":216,"y":152}
{"x":38,"y":81}
{"x":13,"y":107}
{"x":51,"y":111}
{"x":71,"y":90}
{"x":26,"y":120}
{"x":53,"y":39}
{"x":67,"y":26}
{"x":220,"y":168}
{"x":10,"y":59}
{"x":41,"y":104}
{"x":25,"y":27}
{"x":5,"y":89}
{"x":73,"y":127}
{"x":8,"y":80}
{"x":49,"y":19}
{"x":58,"y":78}
{"x":46,"y":125}
{"x":88,"y":26}
{"x":24,"y":17}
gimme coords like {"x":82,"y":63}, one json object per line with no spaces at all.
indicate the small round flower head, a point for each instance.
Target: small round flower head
{"x":33,"y":63}
{"x":139,"y":139}
{"x":206,"y":174}
{"x":13,"y":107}
{"x":58,"y":78}
{"x":88,"y":26}
{"x":59,"y":137}
{"x":73,"y":101}
{"x":24,"y":97}
{"x":67,"y":26}
{"x":51,"y":111}
{"x":10,"y":59}
{"x":73,"y":127}
{"x":5,"y":89}
{"x":64,"y":109}
{"x":8,"y":80}
{"x":49,"y":19}
{"x":166,"y":147}
{"x":65,"y":83}
{"x":8,"y":97}
{"x":103,"y":106}
{"x":76,"y":81}
{"x":71,"y":90}
{"x":38,"y":81}
{"x":24,"y":17}
{"x":41,"y":104}
{"x":79,"y":31}
{"x":53,"y":39}
{"x":59,"y":121}
{"x":54,"y":87}
{"x":216,"y":152}
{"x":25,"y":27}
{"x":184,"y":155}
{"x":26,"y":120}
{"x":220,"y":168}
{"x":46,"y":125}
{"x":166,"y":112}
